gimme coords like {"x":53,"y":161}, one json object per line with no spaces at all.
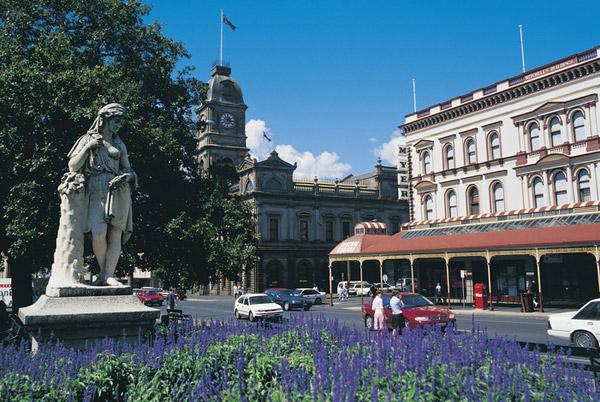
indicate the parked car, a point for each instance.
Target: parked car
{"x":386,"y":287}
{"x":257,"y":306}
{"x":287,"y":299}
{"x":179,"y":293}
{"x":313,"y":295}
{"x":418,"y":311}
{"x":352,"y":290}
{"x":357,"y":289}
{"x":150,"y":297}
{"x":581,"y":327}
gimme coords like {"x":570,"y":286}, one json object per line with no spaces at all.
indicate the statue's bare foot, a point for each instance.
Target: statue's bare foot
{"x":113,"y":282}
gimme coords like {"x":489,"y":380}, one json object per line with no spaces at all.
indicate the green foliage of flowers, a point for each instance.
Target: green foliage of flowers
{"x":306,"y":359}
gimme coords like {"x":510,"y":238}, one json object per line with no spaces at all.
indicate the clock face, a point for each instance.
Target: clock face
{"x":227,"y":120}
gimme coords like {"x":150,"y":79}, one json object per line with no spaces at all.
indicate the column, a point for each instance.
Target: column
{"x":520,"y":137}
{"x":594,"y":172}
{"x":548,"y":188}
{"x":488,"y":261}
{"x":594,"y":119}
{"x":538,"y":263}
{"x":348,"y":272}
{"x":330,"y":286}
{"x":571,"y":192}
{"x":412,"y":274}
{"x":447,"y":263}
{"x":381,"y":274}
{"x":524,"y":193}
{"x":589,"y":119}
{"x":361,"y":282}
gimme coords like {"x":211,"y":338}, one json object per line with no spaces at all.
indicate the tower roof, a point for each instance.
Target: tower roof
{"x":222,"y":88}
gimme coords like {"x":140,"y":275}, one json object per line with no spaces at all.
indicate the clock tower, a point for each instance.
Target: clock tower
{"x":222,"y":122}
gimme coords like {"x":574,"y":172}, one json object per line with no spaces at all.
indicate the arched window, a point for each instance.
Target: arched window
{"x":473,"y":195}
{"x":560,"y":189}
{"x":428,"y":207}
{"x":249,"y":186}
{"x":538,"y":192}
{"x":449,"y":155}
{"x":451,"y":204}
{"x":471,"y":151}
{"x":495,"y":146}
{"x":426,"y":163}
{"x":583,"y":186}
{"x":555,"y":135}
{"x":497,"y":197}
{"x":534,"y":136}
{"x":578,"y":126}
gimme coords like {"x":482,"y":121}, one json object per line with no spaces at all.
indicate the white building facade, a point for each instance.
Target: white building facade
{"x":530,"y":141}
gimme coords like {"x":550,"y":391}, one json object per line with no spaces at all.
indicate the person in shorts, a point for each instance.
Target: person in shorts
{"x":397,"y":318}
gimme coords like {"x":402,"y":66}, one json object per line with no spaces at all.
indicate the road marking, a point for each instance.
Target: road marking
{"x":353,"y":308}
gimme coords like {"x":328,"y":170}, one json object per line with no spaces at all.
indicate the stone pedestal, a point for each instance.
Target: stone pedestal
{"x":79,"y":315}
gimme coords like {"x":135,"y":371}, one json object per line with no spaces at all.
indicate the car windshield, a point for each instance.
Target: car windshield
{"x":286,"y":292}
{"x":260,"y":300}
{"x":416,"y":301}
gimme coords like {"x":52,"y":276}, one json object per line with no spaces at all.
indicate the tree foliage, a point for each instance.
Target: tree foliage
{"x":60,"y":61}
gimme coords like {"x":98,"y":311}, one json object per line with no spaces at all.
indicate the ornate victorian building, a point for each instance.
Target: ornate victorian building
{"x":299,"y":221}
{"x":504,"y":184}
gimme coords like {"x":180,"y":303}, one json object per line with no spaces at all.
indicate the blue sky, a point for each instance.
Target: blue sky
{"x":330,"y":81}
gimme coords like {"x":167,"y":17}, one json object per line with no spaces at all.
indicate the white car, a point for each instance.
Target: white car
{"x":360,"y":290}
{"x":313,"y":295}
{"x":352,"y":291}
{"x":257,"y":306}
{"x":581,"y":327}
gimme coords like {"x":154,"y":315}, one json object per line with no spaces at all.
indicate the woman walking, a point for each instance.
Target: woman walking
{"x":377,"y":306}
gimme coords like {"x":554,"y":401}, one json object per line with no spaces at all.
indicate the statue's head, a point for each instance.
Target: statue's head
{"x":111,"y":116}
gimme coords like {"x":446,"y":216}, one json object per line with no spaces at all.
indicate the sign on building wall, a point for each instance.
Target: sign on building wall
{"x":6,"y":291}
{"x":402,"y":173}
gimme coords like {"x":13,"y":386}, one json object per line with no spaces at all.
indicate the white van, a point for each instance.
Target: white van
{"x":354,"y":288}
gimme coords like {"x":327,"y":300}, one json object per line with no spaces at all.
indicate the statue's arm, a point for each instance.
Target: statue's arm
{"x":126,"y":166}
{"x":81,"y":151}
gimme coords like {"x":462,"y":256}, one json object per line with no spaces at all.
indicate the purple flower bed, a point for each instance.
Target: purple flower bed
{"x":306,"y":359}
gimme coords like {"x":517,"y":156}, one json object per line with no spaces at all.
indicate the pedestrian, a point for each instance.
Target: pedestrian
{"x":236,"y":291}
{"x":171,"y":300}
{"x":378,"y":316}
{"x":373,"y":290}
{"x":438,"y":294}
{"x":315,"y":287}
{"x":532,"y":289}
{"x":396,"y":304}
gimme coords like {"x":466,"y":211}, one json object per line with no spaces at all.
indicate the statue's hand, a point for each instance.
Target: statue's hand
{"x":95,"y":143}
{"x":117,"y":181}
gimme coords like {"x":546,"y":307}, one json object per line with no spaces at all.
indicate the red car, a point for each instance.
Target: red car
{"x":150,"y":297}
{"x":418,"y":311}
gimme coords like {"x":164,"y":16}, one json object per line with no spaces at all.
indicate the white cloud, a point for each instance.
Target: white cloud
{"x":259,"y":146}
{"x":388,"y":152}
{"x":324,"y":165}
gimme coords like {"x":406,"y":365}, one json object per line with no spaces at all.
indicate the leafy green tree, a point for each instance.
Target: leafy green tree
{"x":60,"y":61}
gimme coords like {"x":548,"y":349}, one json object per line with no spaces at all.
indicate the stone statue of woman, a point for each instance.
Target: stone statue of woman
{"x":95,"y":197}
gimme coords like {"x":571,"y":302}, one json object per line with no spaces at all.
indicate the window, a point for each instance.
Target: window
{"x":590,"y":312}
{"x":473,"y":195}
{"x":578,"y":126}
{"x":583,"y":186}
{"x":346,"y":229}
{"x":555,"y":135}
{"x":428,"y":204}
{"x":451,"y":203}
{"x":449,"y":155}
{"x":274,"y":228}
{"x":249,"y":186}
{"x":495,"y":146}
{"x":534,"y":136}
{"x":538,"y":193}
{"x":426,"y":163}
{"x":497,"y":197}
{"x":471,"y":151}
{"x":303,"y":229}
{"x":328,"y":230}
{"x":560,"y":189}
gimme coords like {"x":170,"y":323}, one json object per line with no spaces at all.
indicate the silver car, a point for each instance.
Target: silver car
{"x":313,"y":295}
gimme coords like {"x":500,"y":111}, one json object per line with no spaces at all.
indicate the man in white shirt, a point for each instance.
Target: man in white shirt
{"x":397,"y":318}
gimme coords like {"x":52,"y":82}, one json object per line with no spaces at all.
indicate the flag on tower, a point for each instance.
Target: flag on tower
{"x":226,"y":21}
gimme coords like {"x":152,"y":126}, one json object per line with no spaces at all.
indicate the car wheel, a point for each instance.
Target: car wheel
{"x":237,"y":315}
{"x":369,"y":322}
{"x":584,"y":339}
{"x":318,"y":301}
{"x":286,"y":306}
{"x":250,"y":317}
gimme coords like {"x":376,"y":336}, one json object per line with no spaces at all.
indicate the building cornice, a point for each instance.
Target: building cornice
{"x":550,"y":76}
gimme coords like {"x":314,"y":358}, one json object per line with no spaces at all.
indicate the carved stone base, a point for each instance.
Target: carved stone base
{"x":86,"y":290}
{"x":85,"y":319}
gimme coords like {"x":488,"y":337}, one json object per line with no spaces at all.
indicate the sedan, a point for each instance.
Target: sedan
{"x":313,"y":295}
{"x":581,"y":327}
{"x":418,"y":311}
{"x":256,"y":306}
{"x":287,"y":299}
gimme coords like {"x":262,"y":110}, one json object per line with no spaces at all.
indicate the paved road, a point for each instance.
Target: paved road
{"x":512,"y":324}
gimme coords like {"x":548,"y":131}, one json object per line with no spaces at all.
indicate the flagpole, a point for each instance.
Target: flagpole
{"x":221,"y":49}
{"x":522,"y":48}
{"x":414,"y":95}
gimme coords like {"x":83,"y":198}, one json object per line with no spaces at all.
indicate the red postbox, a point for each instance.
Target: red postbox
{"x":480,"y":294}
